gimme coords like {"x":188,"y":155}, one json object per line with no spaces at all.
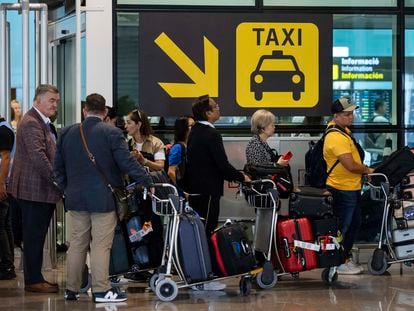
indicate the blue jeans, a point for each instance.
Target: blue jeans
{"x":6,"y":238}
{"x":347,"y":208}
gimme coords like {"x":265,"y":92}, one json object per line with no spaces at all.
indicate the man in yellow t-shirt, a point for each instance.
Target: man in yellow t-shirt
{"x":341,"y":152}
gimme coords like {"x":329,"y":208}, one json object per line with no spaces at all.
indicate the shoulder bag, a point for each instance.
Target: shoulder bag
{"x":119,"y":194}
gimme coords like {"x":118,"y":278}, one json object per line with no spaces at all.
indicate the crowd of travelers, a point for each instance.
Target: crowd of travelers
{"x":88,"y":159}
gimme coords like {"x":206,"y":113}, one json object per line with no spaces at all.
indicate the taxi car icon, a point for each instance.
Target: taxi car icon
{"x":277,"y":73}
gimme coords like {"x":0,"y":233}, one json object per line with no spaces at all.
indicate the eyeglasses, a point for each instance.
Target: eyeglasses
{"x":216,"y":107}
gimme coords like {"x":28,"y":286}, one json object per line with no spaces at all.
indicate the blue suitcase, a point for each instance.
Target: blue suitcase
{"x":193,"y":251}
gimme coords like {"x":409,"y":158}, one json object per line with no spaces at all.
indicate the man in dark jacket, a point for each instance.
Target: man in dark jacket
{"x":88,"y":197}
{"x":208,"y":165}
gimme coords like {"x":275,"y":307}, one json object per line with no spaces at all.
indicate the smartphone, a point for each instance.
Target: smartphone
{"x":287,"y":156}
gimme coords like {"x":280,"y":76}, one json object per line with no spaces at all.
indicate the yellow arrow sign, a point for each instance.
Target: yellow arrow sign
{"x":204,"y":82}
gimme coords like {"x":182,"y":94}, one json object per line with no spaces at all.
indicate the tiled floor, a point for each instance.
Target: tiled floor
{"x":364,"y":292}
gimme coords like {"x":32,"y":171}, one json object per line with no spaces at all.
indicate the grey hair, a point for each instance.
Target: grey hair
{"x":44,"y":88}
{"x":260,"y":119}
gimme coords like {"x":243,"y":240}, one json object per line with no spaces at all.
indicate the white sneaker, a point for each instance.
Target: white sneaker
{"x":209,"y":286}
{"x":356,"y":266}
{"x":348,"y":269}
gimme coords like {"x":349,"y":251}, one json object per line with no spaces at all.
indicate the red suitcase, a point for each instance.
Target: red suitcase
{"x":295,"y":259}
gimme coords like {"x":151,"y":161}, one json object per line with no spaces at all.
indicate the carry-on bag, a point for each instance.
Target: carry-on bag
{"x":408,"y":180}
{"x":279,"y":174}
{"x":310,"y":202}
{"x":399,"y":236}
{"x":120,"y":258}
{"x":396,"y":166}
{"x":292,"y":237}
{"x":329,"y":257}
{"x":407,"y":193}
{"x":232,"y":251}
{"x":193,"y":250}
{"x":404,"y":251}
{"x":326,"y":233}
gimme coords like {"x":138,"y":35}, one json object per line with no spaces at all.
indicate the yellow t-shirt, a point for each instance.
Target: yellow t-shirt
{"x":336,"y":144}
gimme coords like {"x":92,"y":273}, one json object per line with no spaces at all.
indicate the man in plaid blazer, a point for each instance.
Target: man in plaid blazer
{"x":32,"y":183}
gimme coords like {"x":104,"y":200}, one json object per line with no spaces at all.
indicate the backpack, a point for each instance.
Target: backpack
{"x":315,"y":164}
{"x":183,"y":162}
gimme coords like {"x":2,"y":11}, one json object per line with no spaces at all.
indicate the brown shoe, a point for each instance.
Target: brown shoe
{"x":41,"y":287}
{"x":52,"y":284}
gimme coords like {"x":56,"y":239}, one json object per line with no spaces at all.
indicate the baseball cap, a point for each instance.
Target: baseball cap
{"x":343,"y":104}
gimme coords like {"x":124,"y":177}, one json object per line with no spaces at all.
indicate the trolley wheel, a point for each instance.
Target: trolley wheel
{"x":166,"y":290}
{"x":266,"y":280}
{"x":153,"y":281}
{"x":377,"y":263}
{"x":245,"y":286}
{"x":326,"y":278}
{"x":295,"y":276}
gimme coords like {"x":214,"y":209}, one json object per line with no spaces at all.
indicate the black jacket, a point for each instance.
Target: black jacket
{"x":207,"y":163}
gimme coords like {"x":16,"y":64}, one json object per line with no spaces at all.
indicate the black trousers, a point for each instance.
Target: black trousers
{"x":6,"y":238}
{"x":16,"y":222}
{"x":208,"y":207}
{"x":36,"y":220}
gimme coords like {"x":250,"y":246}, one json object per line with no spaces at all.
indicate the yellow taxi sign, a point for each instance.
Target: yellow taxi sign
{"x":277,"y":65}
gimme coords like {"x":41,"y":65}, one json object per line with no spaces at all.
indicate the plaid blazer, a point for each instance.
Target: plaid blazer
{"x":32,"y":171}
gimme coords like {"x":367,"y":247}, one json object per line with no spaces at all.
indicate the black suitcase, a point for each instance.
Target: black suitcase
{"x":323,"y":229}
{"x":326,"y":226}
{"x":120,"y":259}
{"x":193,"y":250}
{"x":396,"y":166}
{"x":310,"y":202}
{"x":330,"y":258}
{"x":232,"y":250}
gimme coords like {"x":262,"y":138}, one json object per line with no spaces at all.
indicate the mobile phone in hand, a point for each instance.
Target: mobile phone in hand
{"x":287,"y":156}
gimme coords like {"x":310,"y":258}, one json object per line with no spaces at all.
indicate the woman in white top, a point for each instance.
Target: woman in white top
{"x":147,"y":149}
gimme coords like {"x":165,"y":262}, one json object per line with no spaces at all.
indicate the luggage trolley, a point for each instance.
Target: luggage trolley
{"x":132,"y":190}
{"x":163,"y":285}
{"x":266,"y":205}
{"x":387,"y":249}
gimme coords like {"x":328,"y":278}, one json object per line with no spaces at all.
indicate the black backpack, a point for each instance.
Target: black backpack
{"x":315,"y":165}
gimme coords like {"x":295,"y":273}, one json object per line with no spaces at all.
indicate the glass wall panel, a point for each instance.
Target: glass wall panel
{"x":190,"y":2}
{"x":127,"y":62}
{"x":348,"y":3}
{"x":364,"y":65}
{"x":409,"y":2}
{"x":409,"y":76}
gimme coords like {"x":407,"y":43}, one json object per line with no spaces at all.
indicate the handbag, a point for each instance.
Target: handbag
{"x":279,"y":174}
{"x":119,"y":195}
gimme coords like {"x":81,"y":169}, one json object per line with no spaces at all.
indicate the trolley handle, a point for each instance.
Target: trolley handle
{"x":383,"y":176}
{"x":263,"y":181}
{"x":166,"y":185}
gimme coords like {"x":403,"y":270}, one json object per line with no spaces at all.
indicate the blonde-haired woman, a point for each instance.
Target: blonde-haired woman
{"x":258,"y":151}
{"x":16,"y":114}
{"x":263,"y":161}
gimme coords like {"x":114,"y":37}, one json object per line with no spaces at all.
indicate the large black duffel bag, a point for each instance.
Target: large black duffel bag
{"x":396,"y":166}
